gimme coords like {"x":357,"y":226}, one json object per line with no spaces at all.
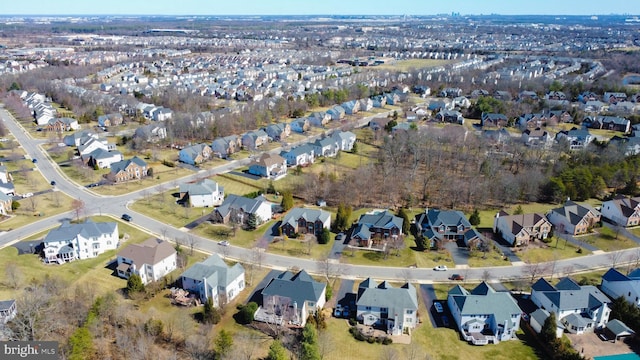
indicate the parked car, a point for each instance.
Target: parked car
{"x":456,"y":277}
{"x":338,"y":311}
{"x":438,"y":307}
{"x":26,"y":195}
{"x":440,"y":268}
{"x":34,"y":160}
{"x":126,"y":217}
{"x":223,"y":243}
{"x":340,"y":237}
{"x":53,"y":183}
{"x":345,"y":312}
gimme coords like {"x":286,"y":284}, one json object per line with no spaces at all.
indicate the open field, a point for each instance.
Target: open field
{"x":163,"y":206}
{"x":407,"y":65}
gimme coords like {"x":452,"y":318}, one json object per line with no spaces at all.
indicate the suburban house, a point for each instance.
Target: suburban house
{"x":270,"y":166}
{"x":125,"y":170}
{"x":93,"y":144}
{"x":102,"y":158}
{"x":613,"y":123}
{"x":79,"y":137}
{"x":537,"y":319}
{"x":213,"y":278}
{"x":376,"y":226}
{"x":7,"y":188}
{"x":254,"y":139}
{"x":305,"y":221}
{"x":366,"y":104}
{"x":532,"y":121}
{"x":575,"y":138}
{"x":484,"y":315}
{"x":151,"y":133}
{"x":300,"y":125}
{"x":277,"y":132}
{"x":379,"y":101}
{"x":337,"y":112}
{"x":518,"y":230}
{"x":622,"y":210}
{"x":537,"y":138}
{"x":450,"y":116}
{"x":302,"y":155}
{"x":616,"y":284}
{"x":493,"y":120}
{"x":578,"y":308}
{"x":8,"y":311}
{"x":344,"y":139}
{"x":110,"y":120}
{"x":237,"y":209}
{"x":351,"y":107}
{"x":195,"y":154}
{"x":438,"y":226}
{"x":5,"y":176}
{"x":203,"y":193}
{"x":326,"y":147}
{"x":290,"y":298}
{"x":5,"y":203}
{"x":382,"y":305}
{"x":379,"y":123}
{"x":614,"y":97}
{"x":80,"y":241}
{"x":574,"y":218}
{"x":62,"y":124}
{"x":223,"y":147}
{"x":151,"y":260}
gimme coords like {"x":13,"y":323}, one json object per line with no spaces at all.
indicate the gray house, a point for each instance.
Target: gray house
{"x":213,"y":278}
{"x":395,"y":309}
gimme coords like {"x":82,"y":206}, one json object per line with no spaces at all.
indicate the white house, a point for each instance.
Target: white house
{"x":302,"y":155}
{"x":151,"y":260}
{"x":519,"y":229}
{"x":270,"y":166}
{"x":8,"y":311}
{"x":344,"y":139}
{"x":580,"y":309}
{"x":616,"y":284}
{"x":80,"y":241}
{"x":203,"y":193}
{"x":622,"y":210}
{"x":214,"y":278}
{"x":383,"y":305}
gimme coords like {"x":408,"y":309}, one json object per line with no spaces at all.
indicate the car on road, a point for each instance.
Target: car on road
{"x":223,"y":243}
{"x":34,"y":160}
{"x":126,"y":217}
{"x":440,"y":268}
{"x":53,"y":183}
{"x":438,"y":307}
{"x":27,"y":195}
{"x":456,"y":277}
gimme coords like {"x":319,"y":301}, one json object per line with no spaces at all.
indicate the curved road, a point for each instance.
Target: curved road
{"x":116,"y":205}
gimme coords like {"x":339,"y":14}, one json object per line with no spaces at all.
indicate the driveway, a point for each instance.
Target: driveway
{"x":428,"y":296}
{"x":337,"y":248}
{"x":459,"y":254}
{"x":345,"y":295}
{"x":511,"y":256}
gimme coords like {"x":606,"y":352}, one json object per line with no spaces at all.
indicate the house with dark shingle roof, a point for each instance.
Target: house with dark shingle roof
{"x":484,"y":315}
{"x":616,"y":284}
{"x":270,"y":166}
{"x":223,"y":147}
{"x":8,"y":311}
{"x":302,"y":155}
{"x":254,"y":139}
{"x":195,"y":154}
{"x":384,"y":305}
{"x":326,"y":146}
{"x":575,"y":138}
{"x":213,"y":278}
{"x":579,"y":308}
{"x":151,"y":260}
{"x":519,"y":229}
{"x":344,"y":139}
{"x":125,"y":170}
{"x":305,"y":221}
{"x":290,"y":298}
{"x":574,"y":218}
{"x":438,"y":226}
{"x":80,"y":241}
{"x":493,"y":120}
{"x":613,"y":123}
{"x":622,"y":210}
{"x":277,"y":132}
{"x":376,"y":226}
{"x":203,"y":193}
{"x":238,"y":208}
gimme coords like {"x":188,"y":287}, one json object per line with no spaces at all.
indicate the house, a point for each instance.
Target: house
{"x":532,"y":121}
{"x":497,"y":136}
{"x":151,"y":260}
{"x":344,"y":139}
{"x":461,"y":102}
{"x":8,"y":311}
{"x":528,"y":95}
{"x":439,"y":105}
{"x":319,"y":119}
{"x":622,"y":211}
{"x":203,"y":193}
{"x":305,"y":221}
{"x":613,"y":123}
{"x":537,"y":138}
{"x":302,"y":155}
{"x":290,"y":298}
{"x":574,"y":218}
{"x":213,"y":278}
{"x":195,"y":154}
{"x":614,"y":97}
{"x":402,"y":127}
{"x":382,"y":305}
{"x":151,"y":133}
{"x":80,"y":241}
{"x":379,"y":123}
{"x":493,"y":120}
{"x":238,"y":209}
{"x":278,"y":132}
{"x":594,"y":106}
{"x":351,"y":107}
{"x":270,"y":166}
{"x":450,"y":116}
{"x":520,"y":229}
{"x":79,"y":138}
{"x":125,"y":170}
{"x":5,"y":176}
{"x":438,"y":226}
{"x":376,"y":226}
{"x":5,"y":204}
{"x":450,"y":92}
{"x":7,"y":188}
{"x":62,"y":124}
{"x":223,"y":147}
{"x":502,"y":95}
{"x":300,"y":125}
{"x":484,"y":315}
{"x":102,"y":159}
{"x":555,"y":95}
{"x":580,"y":309}
{"x":539,"y":317}
{"x":326,"y":147}
{"x":576,"y":139}
{"x":559,"y":116}
{"x":393,"y":98}
{"x":254,"y":139}
{"x":92,"y":145}
{"x":337,"y":112}
{"x":108,"y":120}
{"x":379,"y":101}
{"x":366,"y":104}
{"x":616,"y":284}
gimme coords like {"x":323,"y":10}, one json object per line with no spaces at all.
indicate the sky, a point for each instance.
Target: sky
{"x":314,"y":7}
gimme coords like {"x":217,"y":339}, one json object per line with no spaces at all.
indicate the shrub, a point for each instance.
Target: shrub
{"x":386,"y":341}
{"x":246,"y":312}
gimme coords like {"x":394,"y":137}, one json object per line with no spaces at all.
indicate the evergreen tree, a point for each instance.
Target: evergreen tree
{"x":324,"y":237}
{"x":277,"y":351}
{"x":223,"y":343}
{"x":210,"y":314}
{"x":252,"y":222}
{"x":474,"y":219}
{"x":406,"y":223}
{"x":518,"y":210}
{"x":134,"y":284}
{"x":81,"y":344}
{"x":548,"y":332}
{"x":287,"y":200}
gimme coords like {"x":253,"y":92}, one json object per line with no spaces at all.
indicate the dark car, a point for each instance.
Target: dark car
{"x":456,"y":277}
{"x":34,"y":160}
{"x":126,"y":217}
{"x":53,"y":183}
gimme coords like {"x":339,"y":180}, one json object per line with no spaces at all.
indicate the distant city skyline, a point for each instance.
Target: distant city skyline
{"x":315,"y":7}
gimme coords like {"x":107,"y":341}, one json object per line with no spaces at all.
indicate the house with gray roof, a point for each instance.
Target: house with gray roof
{"x":108,"y":120}
{"x":439,"y":226}
{"x":203,"y":193}
{"x":225,"y":146}
{"x":7,"y":188}
{"x":613,"y":123}
{"x":151,"y":260}
{"x":575,"y":139}
{"x":351,"y":107}
{"x":319,"y":118}
{"x":270,"y":166}
{"x":344,"y":139}
{"x":484,"y":315}
{"x":254,"y":139}
{"x":579,"y":308}
{"x":213,"y":278}
{"x":237,"y":209}
{"x":300,"y":125}
{"x":326,"y":147}
{"x":337,"y":112}
{"x":80,"y":241}
{"x":622,"y":210}
{"x":450,"y":116}
{"x":573,"y":218}
{"x":195,"y":154}
{"x":493,"y":120}
{"x":374,"y":227}
{"x":382,"y":305}
{"x":79,"y":137}
{"x":302,"y":155}
{"x":520,"y":229}
{"x":278,"y":131}
{"x":151,"y":133}
{"x":616,"y":284}
{"x":8,"y":311}
{"x":290,"y":298}
{"x":102,"y":158}
{"x":125,"y":170}
{"x":305,"y":221}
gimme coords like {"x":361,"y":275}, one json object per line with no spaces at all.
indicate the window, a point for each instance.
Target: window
{"x":367,"y":307}
{"x":384,"y":310}
{"x":409,"y":312}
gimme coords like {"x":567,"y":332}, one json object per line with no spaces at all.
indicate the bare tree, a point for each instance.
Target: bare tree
{"x":615,"y":257}
{"x":79,"y":208}
{"x":389,"y":354}
{"x":486,"y":275}
{"x":311,"y":241}
{"x":13,"y":275}
{"x":532,"y":271}
{"x":33,"y":203}
{"x":192,"y":241}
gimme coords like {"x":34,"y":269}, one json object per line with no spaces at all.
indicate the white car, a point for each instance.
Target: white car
{"x":24,"y":196}
{"x":223,"y":243}
{"x":440,"y":268}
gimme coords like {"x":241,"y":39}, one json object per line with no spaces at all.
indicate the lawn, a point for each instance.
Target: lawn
{"x":403,"y":258}
{"x":300,"y":248}
{"x":242,"y":238}
{"x":161,"y":174}
{"x":429,"y":259}
{"x":164,"y":206}
{"x":557,"y":249}
{"x":233,"y":186}
{"x":488,"y":259}
{"x":406,"y":65}
{"x":606,"y":239}
{"x":48,"y":204}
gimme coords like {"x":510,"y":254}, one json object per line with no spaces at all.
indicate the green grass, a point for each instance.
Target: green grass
{"x":163,"y":206}
{"x":606,"y":239}
{"x":550,"y":252}
{"x":233,"y":186}
{"x":300,"y":249}
{"x":489,"y":259}
{"x":242,"y":238}
{"x":406,"y":65}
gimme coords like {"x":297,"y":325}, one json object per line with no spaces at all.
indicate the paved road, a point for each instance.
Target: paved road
{"x":116,"y":205}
